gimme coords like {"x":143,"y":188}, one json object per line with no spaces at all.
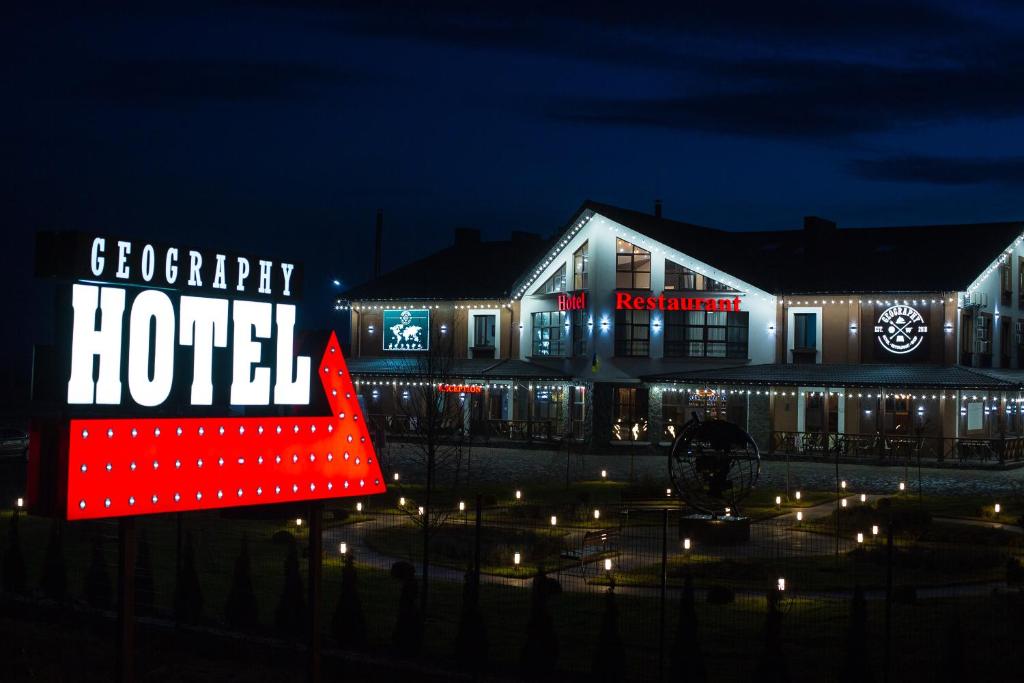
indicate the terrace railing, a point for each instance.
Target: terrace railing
{"x":892,"y":448}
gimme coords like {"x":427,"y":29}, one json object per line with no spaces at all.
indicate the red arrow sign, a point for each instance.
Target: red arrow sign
{"x":119,"y":467}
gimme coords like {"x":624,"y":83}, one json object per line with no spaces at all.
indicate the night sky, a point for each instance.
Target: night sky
{"x":279,"y":128}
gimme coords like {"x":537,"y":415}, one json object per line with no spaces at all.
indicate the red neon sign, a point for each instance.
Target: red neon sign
{"x":128,"y":466}
{"x":572,"y":302}
{"x":629,"y":302}
{"x":461,"y":388}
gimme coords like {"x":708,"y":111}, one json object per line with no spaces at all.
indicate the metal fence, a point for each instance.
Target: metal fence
{"x":896,"y":449}
{"x":933,"y":591}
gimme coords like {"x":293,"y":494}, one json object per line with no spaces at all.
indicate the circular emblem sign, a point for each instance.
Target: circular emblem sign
{"x":900,"y":329}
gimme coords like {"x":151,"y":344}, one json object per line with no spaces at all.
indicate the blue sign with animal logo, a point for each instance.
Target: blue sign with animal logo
{"x":406,"y":329}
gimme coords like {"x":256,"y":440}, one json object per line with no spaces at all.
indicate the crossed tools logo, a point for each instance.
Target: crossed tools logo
{"x":900,"y":329}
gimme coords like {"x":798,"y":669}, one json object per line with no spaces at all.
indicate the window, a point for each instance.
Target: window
{"x":555,"y":283}
{"x":632,"y":266}
{"x":547,"y":407}
{"x":580,"y":332}
{"x":549,"y":333}
{"x":1020,"y":282}
{"x":483,"y":336}
{"x":706,"y":334}
{"x":630,"y":421}
{"x":1006,"y":281}
{"x":679,"y":277}
{"x":632,"y":333}
{"x":1005,"y":341}
{"x":578,"y":413}
{"x":674,"y":413}
{"x":580,"y":268}
{"x":805,"y":330}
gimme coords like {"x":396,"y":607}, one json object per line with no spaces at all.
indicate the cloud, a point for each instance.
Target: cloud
{"x":177,"y":82}
{"x":941,"y":170}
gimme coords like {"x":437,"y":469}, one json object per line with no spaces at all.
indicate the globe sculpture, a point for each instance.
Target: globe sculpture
{"x":713,"y":465}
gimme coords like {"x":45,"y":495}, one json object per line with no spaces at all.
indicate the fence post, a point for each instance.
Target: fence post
{"x":664,"y":586}
{"x":887,"y":650}
{"x":126,"y":600}
{"x":316,"y":556}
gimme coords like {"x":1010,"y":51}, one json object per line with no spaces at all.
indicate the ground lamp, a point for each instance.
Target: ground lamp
{"x":874,"y":529}
{"x":863,"y":497}
{"x":860,"y":537}
{"x":798,"y":495}
{"x":604,"y":474}
{"x":597,"y":514}
{"x":782,"y":583}
{"x":778,"y":501}
{"x":343,"y":548}
{"x":799,"y":516}
{"x":686,"y":544}
{"x":843,"y":502}
{"x":462,"y":506}
{"x":607,"y":564}
{"x":554,"y":520}
{"x":401,"y":502}
{"x":421,"y":510}
{"x":842,"y":484}
{"x":396,"y":476}
{"x":903,"y":487}
{"x":359,"y":507}
{"x":668,"y":492}
{"x":997,"y":506}
{"x":519,"y":494}
{"x":298,"y":521}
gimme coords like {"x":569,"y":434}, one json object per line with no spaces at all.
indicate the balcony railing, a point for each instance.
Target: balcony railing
{"x":890,"y":448}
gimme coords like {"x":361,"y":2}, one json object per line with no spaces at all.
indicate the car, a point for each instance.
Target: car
{"x":13,"y":442}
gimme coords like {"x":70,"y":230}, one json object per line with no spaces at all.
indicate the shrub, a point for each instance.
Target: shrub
{"x":14,"y":561}
{"x":408,"y":634}
{"x":54,"y":581}
{"x":471,"y":640}
{"x":687,"y":656}
{"x":348,"y":623}
{"x":610,"y":655}
{"x":289,"y":617}
{"x":240,"y":610}
{"x":188,"y":593}
{"x":773,"y":667}
{"x":856,"y":669}
{"x":540,"y":651}
{"x":97,"y":579}
{"x":1014,"y":572}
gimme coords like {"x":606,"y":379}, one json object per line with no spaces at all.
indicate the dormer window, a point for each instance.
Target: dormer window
{"x":632,"y":266}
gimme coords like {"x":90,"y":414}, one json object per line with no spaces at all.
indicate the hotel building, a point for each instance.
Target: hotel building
{"x":881,"y":343}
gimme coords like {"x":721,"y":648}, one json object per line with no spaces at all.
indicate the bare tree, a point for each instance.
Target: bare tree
{"x":434,"y":420}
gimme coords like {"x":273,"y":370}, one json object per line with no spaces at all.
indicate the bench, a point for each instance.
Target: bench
{"x":593,"y":544}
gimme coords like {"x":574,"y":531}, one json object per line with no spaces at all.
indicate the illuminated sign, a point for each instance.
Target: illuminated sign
{"x":572,"y":302}
{"x":629,"y":302}
{"x":152,"y":378}
{"x":900,"y":329}
{"x":460,"y":388}
{"x":406,"y":329}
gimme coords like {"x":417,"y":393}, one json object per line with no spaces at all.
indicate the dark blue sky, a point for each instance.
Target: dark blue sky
{"x":280,"y":127}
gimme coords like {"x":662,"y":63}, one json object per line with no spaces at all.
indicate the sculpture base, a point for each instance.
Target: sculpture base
{"x":709,"y":530}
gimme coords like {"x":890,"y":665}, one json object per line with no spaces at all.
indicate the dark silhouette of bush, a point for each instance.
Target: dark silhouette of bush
{"x":773,"y":667}
{"x":1014,"y":572}
{"x":145,"y":586}
{"x":540,"y":651}
{"x":609,"y":655}
{"x":54,"y":578}
{"x":188,"y":593}
{"x":289,"y":617}
{"x":97,"y":579}
{"x":857,"y":669}
{"x":348,"y":624}
{"x":471,"y":639}
{"x":721,"y":595}
{"x":408,"y":633}
{"x":14,"y":580}
{"x":240,"y":610}
{"x":687,"y":656}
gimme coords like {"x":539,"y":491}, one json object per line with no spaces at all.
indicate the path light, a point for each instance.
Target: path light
{"x":597,"y":514}
{"x":782,"y":584}
{"x":554,"y":520}
{"x":519,"y":494}
{"x":728,"y":511}
{"x":668,"y":492}
{"x":359,"y":507}
{"x":863,"y":497}
{"x":798,"y":495}
{"x":686,"y":544}
{"x":298,"y":521}
{"x":21,"y":504}
{"x":842,"y":484}
{"x":874,"y":529}
{"x":401,"y":502}
{"x":607,"y":564}
{"x":396,"y":476}
{"x":843,"y":502}
{"x":860,"y":537}
{"x":462,"y":506}
{"x":604,"y":474}
{"x":799,"y":516}
{"x":343,"y":547}
{"x":997,"y":506}
{"x":778,"y":500}
{"x":515,"y":559}
{"x":903,"y":487}
{"x":420,"y":510}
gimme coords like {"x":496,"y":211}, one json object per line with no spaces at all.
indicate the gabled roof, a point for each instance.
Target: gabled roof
{"x":465,"y":270}
{"x":824,"y":258}
{"x":864,"y":375}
